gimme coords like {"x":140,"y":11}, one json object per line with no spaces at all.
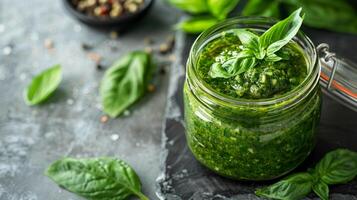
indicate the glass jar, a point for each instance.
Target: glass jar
{"x":251,"y":139}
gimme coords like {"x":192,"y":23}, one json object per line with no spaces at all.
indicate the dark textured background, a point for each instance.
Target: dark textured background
{"x":185,"y":178}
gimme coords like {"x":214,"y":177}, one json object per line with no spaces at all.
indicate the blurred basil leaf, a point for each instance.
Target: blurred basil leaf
{"x":125,"y":82}
{"x":333,"y":15}
{"x":336,"y":167}
{"x":221,"y":8}
{"x":294,"y":187}
{"x":262,"y":8}
{"x":191,"y":6}
{"x":197,"y":24}
{"x":96,"y":178}
{"x":43,"y":85}
{"x":321,"y":189}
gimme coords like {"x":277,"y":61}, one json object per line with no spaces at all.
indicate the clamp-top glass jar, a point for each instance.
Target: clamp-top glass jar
{"x":251,"y":139}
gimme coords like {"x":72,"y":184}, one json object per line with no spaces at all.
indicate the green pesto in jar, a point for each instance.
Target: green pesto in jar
{"x":251,"y":143}
{"x":267,"y":79}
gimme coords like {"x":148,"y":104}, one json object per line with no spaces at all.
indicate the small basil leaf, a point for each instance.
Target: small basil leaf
{"x":262,"y":8}
{"x":125,"y":82}
{"x":217,"y":71}
{"x":245,"y":64}
{"x":96,"y":178}
{"x":221,"y":8}
{"x":196,"y":24}
{"x":43,"y":85}
{"x":321,"y":189}
{"x":191,"y":6}
{"x":338,"y":166}
{"x":247,"y":38}
{"x":294,"y":187}
{"x":281,"y":33}
{"x":273,"y":58}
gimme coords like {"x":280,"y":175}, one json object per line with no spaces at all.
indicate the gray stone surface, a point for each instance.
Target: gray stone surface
{"x":69,"y":123}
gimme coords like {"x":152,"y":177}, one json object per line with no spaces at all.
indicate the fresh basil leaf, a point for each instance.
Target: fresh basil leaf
{"x":43,"y":85}
{"x":321,"y":189}
{"x":221,"y":8}
{"x":262,"y":8}
{"x":196,"y":24}
{"x":125,"y":82}
{"x":273,"y":58}
{"x":333,"y":15}
{"x":246,"y":64}
{"x":217,"y":71}
{"x":247,"y":38}
{"x":234,"y":66}
{"x":96,"y":178}
{"x":191,"y":6}
{"x":281,"y":33}
{"x":338,"y":166}
{"x":294,"y":187}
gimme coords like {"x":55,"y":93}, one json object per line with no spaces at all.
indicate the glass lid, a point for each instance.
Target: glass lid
{"x":338,"y":77}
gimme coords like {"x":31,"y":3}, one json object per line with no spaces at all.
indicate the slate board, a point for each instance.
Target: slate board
{"x":184,"y":178}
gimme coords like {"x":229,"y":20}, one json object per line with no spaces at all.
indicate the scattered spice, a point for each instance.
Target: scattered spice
{"x":151,"y":88}
{"x":48,"y":43}
{"x":86,"y":46}
{"x":99,"y":66}
{"x":7,"y":50}
{"x":168,"y":45}
{"x":148,"y":50}
{"x":104,"y":119}
{"x":172,"y":58}
{"x":95,"y":57}
{"x":162,"y":70}
{"x":107,"y":8}
{"x":113,"y":34}
{"x":148,"y":41}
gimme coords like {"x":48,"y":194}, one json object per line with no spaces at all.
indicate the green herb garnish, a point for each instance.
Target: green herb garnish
{"x":125,"y":82}
{"x":337,"y":167}
{"x":259,"y":48}
{"x":96,"y":178}
{"x":43,"y":85}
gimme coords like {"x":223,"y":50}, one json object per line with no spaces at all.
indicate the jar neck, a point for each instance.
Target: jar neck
{"x":211,"y":99}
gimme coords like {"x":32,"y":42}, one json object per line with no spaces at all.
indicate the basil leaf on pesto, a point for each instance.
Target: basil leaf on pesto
{"x":339,"y":166}
{"x":321,"y":189}
{"x":294,"y":187}
{"x":125,"y":82}
{"x":221,"y":8}
{"x":232,"y":67}
{"x":259,"y":48}
{"x":96,"y":178}
{"x":43,"y":85}
{"x":281,"y":33}
{"x":196,"y":24}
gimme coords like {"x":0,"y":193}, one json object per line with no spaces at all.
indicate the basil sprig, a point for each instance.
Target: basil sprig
{"x":257,"y":48}
{"x":43,"y":85}
{"x":336,"y":167}
{"x":125,"y":82}
{"x":96,"y":178}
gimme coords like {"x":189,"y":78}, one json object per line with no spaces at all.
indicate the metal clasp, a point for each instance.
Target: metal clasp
{"x":323,"y":49}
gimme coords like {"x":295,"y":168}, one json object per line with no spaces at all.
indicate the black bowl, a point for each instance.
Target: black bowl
{"x":120,"y":23}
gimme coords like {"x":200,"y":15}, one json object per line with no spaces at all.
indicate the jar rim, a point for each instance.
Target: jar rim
{"x":307,"y":85}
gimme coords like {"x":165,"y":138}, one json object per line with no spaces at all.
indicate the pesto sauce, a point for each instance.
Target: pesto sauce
{"x":266,"y":80}
{"x":251,"y":143}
